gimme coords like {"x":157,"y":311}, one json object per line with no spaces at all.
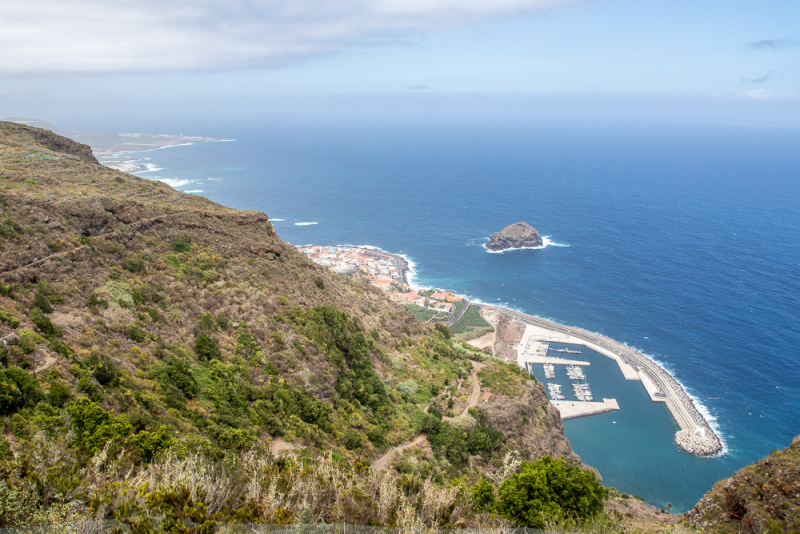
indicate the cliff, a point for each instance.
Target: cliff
{"x":762,"y":497}
{"x":516,"y":235}
{"x":143,"y":323}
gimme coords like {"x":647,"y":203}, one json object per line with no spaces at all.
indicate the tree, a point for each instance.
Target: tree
{"x":549,"y":488}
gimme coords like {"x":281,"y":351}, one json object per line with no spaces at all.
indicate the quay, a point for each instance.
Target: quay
{"x":553,"y":360}
{"x":575,"y":409}
{"x":695,"y":435}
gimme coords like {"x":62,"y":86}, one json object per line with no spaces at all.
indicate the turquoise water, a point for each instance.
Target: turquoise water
{"x":681,"y":242}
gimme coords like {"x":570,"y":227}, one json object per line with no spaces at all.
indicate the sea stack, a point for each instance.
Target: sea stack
{"x":517,"y":235}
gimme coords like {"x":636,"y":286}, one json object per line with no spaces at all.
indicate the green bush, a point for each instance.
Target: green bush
{"x":43,"y":323}
{"x":206,"y":348}
{"x":94,"y":426}
{"x":9,"y":319}
{"x":151,"y":444}
{"x":89,"y":387}
{"x":17,"y":389}
{"x":181,"y":245}
{"x":549,"y":488}
{"x":42,"y":302}
{"x":94,"y":302}
{"x":28,"y":341}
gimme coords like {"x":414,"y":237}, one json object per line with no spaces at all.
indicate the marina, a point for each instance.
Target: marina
{"x":694,"y":436}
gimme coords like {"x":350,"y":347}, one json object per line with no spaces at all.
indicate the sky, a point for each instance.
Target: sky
{"x":93,"y":63}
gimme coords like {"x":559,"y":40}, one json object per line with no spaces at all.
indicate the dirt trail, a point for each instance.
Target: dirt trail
{"x":387,"y":458}
{"x":475,"y":395}
{"x":49,"y":361}
{"x":279,"y":445}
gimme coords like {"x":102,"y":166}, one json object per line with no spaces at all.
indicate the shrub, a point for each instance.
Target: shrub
{"x":181,"y":245}
{"x":9,"y":319}
{"x":43,"y":323}
{"x":151,"y":444}
{"x":42,"y":302}
{"x":319,"y":283}
{"x":89,"y":387}
{"x":352,"y":440}
{"x":206,"y":348}
{"x":28,"y":341}
{"x":17,"y":389}
{"x":94,"y":426}
{"x":94,"y":302}
{"x":104,"y":370}
{"x":134,"y":264}
{"x":549,"y":488}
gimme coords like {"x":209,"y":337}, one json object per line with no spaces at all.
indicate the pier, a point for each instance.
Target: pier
{"x":695,"y":435}
{"x":574,"y":409}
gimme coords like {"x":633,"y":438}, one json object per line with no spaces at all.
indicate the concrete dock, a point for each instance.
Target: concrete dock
{"x":573,"y":409}
{"x":695,"y":435}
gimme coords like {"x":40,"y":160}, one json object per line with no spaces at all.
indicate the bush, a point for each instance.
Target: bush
{"x":206,"y":348}
{"x":9,"y":319}
{"x":151,"y":444}
{"x":42,"y":302}
{"x":28,"y":341}
{"x":94,"y":426}
{"x":181,"y":246}
{"x":43,"y":323}
{"x":549,"y":488}
{"x":17,"y":389}
{"x":352,"y":440}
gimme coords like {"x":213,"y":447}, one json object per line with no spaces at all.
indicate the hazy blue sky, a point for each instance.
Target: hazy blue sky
{"x":75,"y":60}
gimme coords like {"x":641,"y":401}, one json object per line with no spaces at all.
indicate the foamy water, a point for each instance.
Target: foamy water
{"x":546,"y":242}
{"x":309,"y":223}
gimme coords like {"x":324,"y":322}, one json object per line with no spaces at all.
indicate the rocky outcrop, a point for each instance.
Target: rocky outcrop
{"x":762,"y":497}
{"x":517,"y":235}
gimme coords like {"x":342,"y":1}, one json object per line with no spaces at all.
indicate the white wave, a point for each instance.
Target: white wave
{"x":175,"y":183}
{"x":215,"y":179}
{"x":151,"y":168}
{"x":193,"y":191}
{"x":278,"y":220}
{"x":546,"y":242}
{"x":305,"y":223}
{"x":171,"y":146}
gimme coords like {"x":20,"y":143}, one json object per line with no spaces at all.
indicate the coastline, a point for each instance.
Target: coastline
{"x":695,"y":434}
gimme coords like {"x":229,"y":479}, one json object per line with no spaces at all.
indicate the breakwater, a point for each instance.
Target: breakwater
{"x":695,"y":435}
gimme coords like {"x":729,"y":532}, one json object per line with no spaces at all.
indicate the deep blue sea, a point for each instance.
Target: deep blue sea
{"x":682,"y":241}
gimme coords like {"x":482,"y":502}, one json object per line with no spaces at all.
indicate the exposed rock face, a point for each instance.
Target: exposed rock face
{"x":763,"y":497}
{"x":517,"y":235}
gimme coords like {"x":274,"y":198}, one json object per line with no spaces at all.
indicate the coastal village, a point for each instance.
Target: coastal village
{"x":387,"y":272}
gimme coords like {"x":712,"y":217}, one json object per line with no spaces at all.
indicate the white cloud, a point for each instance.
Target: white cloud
{"x":158,"y":35}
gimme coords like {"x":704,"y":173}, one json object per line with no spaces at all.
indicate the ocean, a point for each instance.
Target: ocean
{"x":680,"y":241}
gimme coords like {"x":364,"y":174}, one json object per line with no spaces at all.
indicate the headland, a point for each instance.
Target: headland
{"x":528,"y":341}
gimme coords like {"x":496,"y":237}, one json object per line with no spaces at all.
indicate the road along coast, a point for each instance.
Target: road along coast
{"x":695,"y":435}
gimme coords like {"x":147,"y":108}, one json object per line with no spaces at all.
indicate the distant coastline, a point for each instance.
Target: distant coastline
{"x":695,"y":434}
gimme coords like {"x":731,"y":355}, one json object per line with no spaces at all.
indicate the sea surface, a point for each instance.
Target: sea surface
{"x":683,"y":242}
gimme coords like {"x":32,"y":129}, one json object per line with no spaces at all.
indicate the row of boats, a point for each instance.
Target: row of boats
{"x":581,"y":388}
{"x":555,"y":391}
{"x":565,"y":351}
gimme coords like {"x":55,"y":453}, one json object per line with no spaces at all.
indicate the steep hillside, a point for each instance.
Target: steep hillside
{"x":763,"y":497}
{"x":140,"y":322}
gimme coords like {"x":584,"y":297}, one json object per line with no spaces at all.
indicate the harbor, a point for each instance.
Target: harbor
{"x":695,"y":435}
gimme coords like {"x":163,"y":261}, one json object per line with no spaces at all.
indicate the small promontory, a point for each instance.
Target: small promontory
{"x":516,"y":235}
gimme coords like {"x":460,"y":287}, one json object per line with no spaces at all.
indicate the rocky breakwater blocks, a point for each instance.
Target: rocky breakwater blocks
{"x":701,"y":442}
{"x":516,"y":235}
